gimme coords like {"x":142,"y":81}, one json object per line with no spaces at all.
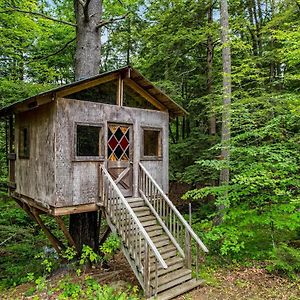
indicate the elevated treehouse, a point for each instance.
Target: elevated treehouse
{"x":102,"y":144}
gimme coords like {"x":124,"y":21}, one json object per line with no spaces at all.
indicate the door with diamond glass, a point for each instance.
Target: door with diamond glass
{"x":119,"y":156}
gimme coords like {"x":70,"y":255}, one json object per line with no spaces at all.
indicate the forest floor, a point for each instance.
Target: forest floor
{"x":222,"y":284}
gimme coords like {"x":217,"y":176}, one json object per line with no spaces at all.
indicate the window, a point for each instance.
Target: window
{"x":88,"y":140}
{"x":103,"y":93}
{"x":118,"y":142}
{"x":24,"y":142}
{"x":152,"y":142}
{"x":132,"y":99}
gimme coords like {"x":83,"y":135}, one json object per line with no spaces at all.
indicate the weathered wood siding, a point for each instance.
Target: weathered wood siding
{"x":35,"y":176}
{"x":77,"y":180}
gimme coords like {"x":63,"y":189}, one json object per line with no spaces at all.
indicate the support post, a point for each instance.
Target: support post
{"x":57,"y":245}
{"x":63,"y":228}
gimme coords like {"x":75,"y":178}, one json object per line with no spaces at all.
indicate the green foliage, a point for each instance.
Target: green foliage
{"x":88,"y":255}
{"x":110,"y":247}
{"x":262,"y":200}
{"x":19,"y":242}
{"x":286,"y":260}
{"x":70,"y":253}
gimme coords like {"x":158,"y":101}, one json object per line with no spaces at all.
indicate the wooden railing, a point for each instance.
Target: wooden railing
{"x":135,"y":239}
{"x":173,"y":223}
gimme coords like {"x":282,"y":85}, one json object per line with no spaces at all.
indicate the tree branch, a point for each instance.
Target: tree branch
{"x":82,"y":3}
{"x":35,"y":13}
{"x":56,"y":52}
{"x":112,"y":20}
{"x":86,"y":10}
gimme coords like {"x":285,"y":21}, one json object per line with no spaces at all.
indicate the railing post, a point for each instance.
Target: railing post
{"x":147,"y":271}
{"x":197,"y":261}
{"x":156,"y":279}
{"x":188,"y":249}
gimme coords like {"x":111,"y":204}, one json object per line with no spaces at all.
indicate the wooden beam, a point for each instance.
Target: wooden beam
{"x":29,"y":201}
{"x":33,"y":213}
{"x":61,"y":211}
{"x":105,"y":235}
{"x":120,"y":91}
{"x":145,"y":95}
{"x":57,"y":244}
{"x":66,"y":232}
{"x":33,"y":103}
{"x":26,"y":208}
{"x":85,"y":85}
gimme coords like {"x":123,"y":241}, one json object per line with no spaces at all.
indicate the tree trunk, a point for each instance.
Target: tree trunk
{"x":84,"y":227}
{"x":252,"y":31}
{"x":225,"y":137}
{"x":210,"y":49}
{"x":260,"y":18}
{"x":88,"y":39}
{"x":258,"y":28}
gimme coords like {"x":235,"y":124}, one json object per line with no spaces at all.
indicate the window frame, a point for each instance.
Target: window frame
{"x":21,"y":154}
{"x":83,"y":158}
{"x":160,"y":144}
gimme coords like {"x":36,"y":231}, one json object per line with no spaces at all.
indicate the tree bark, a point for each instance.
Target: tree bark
{"x":225,"y":136}
{"x":252,"y":31}
{"x":210,"y":49}
{"x":84,"y":227}
{"x":88,"y":39}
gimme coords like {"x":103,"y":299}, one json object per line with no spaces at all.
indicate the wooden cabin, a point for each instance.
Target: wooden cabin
{"x":102,"y":143}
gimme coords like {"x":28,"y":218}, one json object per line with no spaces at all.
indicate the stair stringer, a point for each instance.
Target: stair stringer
{"x":136,"y":272}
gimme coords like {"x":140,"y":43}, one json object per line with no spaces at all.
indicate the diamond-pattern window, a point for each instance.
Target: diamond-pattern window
{"x":118,"y":143}
{"x":124,"y":143}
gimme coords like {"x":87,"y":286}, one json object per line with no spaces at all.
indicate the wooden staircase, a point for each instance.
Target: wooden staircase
{"x":152,"y":239}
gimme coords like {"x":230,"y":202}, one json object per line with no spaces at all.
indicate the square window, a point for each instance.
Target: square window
{"x":152,"y":143}
{"x":24,"y":142}
{"x":88,"y":141}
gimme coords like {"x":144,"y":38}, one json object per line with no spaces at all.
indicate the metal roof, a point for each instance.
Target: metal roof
{"x":173,"y":108}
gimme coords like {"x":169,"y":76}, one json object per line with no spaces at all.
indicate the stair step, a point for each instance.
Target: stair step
{"x":157,"y":238}
{"x":141,"y":208}
{"x":173,"y":265}
{"x":148,"y":223}
{"x":170,"y":258}
{"x":174,"y":278}
{"x":137,"y":203}
{"x":143,"y":213}
{"x":155,"y":233}
{"x":160,"y":238}
{"x":158,"y":245}
{"x":133,"y":199}
{"x":151,"y":228}
{"x":165,"y":249}
{"x":147,"y":218}
{"x":178,"y":290}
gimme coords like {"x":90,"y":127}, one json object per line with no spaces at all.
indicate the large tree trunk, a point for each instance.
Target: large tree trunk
{"x":225,"y":138}
{"x":84,"y":227}
{"x":88,"y":38}
{"x":210,"y":49}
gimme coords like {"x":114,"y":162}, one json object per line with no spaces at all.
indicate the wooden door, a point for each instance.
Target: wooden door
{"x":119,"y":156}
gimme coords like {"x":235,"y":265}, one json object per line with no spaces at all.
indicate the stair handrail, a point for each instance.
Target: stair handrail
{"x":136,"y":220}
{"x":176,"y":212}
